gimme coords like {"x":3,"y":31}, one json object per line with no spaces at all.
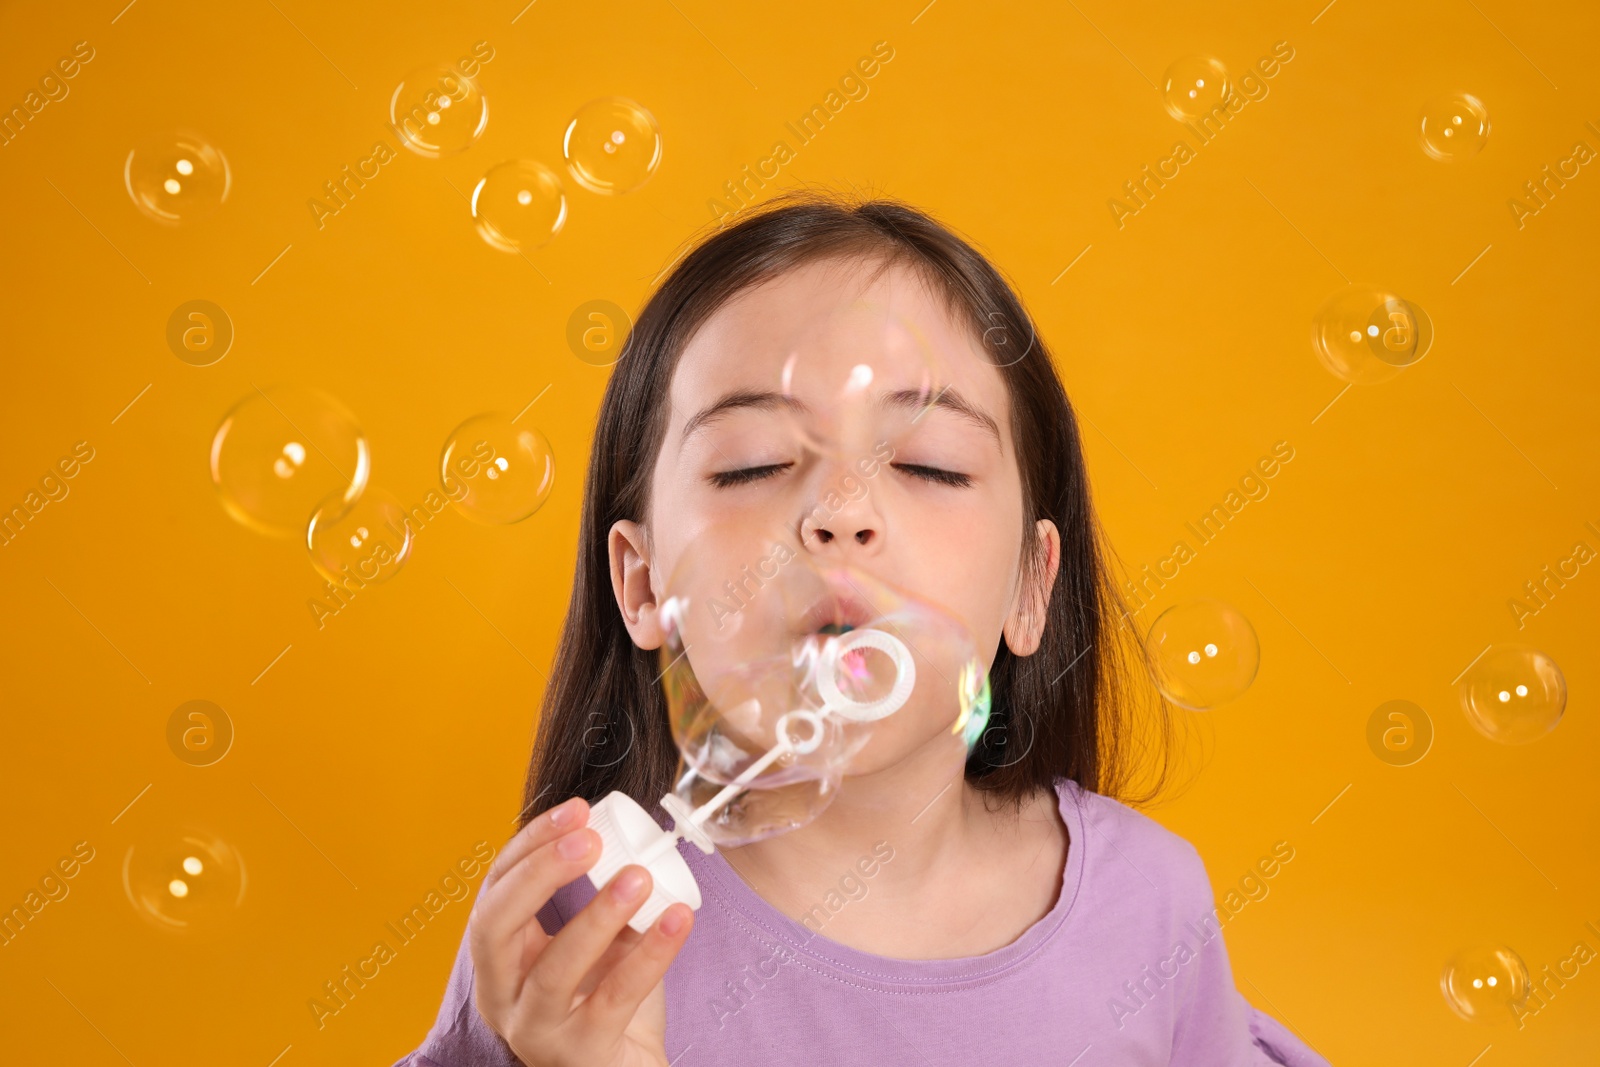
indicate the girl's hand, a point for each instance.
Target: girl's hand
{"x":592,"y":996}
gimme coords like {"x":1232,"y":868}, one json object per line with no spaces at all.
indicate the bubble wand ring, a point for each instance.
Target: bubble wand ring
{"x":838,"y":702}
{"x":629,"y":835}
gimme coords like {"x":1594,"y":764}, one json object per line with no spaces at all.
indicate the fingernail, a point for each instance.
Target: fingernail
{"x":561,"y":814}
{"x":672,"y":921}
{"x":573,"y":846}
{"x":629,"y":884}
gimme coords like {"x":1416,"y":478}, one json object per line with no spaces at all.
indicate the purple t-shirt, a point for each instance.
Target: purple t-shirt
{"x":1127,"y":968}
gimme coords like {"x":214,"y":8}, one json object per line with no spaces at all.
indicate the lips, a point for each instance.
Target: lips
{"x":836,"y":613}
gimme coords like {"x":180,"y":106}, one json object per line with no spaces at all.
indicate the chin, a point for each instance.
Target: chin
{"x":888,"y":749}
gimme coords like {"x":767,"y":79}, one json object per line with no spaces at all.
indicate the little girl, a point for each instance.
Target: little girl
{"x":998,"y":907}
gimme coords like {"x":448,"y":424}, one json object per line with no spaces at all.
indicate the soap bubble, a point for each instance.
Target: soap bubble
{"x":496,"y":472}
{"x":612,"y":145}
{"x":519,"y":205}
{"x":177,"y":177}
{"x":1486,"y":984}
{"x":369,"y":539}
{"x":1366,"y":335}
{"x":784,"y":673}
{"x":1514,"y":694}
{"x":1195,"y":85}
{"x":1454,"y":127}
{"x":183,"y":881}
{"x":281,"y":453}
{"x":1204,"y":653}
{"x":862,"y":378}
{"x":438,"y":111}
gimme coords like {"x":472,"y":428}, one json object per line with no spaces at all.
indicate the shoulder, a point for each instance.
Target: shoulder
{"x":1140,"y":848}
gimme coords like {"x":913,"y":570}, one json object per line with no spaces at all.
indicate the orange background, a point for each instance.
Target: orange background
{"x":377,"y":751}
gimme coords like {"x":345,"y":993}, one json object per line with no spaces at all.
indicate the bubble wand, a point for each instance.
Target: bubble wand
{"x":629,"y":835}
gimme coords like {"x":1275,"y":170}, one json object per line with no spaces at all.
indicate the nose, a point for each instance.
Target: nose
{"x":844,"y":522}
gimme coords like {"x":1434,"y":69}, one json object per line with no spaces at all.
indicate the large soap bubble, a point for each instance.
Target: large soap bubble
{"x":612,"y":145}
{"x":1194,"y":87}
{"x":1453,"y":127}
{"x":780,"y":669}
{"x":284,"y":452}
{"x":1486,"y":984}
{"x":1204,"y":653}
{"x":438,"y":111}
{"x":784,"y":674}
{"x":183,"y":880}
{"x":1514,"y":694}
{"x":177,"y":177}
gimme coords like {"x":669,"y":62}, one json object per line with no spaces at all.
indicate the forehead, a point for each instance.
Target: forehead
{"x":808,"y":329}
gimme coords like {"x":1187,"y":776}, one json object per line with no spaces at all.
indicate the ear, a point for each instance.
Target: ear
{"x":629,"y":546}
{"x":1025,"y":627}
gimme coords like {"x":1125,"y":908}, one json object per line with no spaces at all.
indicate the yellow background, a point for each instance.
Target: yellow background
{"x":378,"y":750}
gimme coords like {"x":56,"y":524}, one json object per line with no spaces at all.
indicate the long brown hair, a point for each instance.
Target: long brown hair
{"x":1067,"y":710}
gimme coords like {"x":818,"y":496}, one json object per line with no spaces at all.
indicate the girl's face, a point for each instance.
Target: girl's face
{"x":854,"y":416}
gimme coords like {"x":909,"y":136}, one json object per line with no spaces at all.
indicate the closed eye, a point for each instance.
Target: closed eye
{"x":937,"y":475}
{"x":746,"y":475}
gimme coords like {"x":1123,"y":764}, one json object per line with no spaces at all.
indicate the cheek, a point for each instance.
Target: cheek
{"x":964,"y":553}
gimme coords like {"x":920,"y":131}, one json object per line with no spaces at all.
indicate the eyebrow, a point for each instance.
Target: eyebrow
{"x":947,"y":398}
{"x":735,"y":401}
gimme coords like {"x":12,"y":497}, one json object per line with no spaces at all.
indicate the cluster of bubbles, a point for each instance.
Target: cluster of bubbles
{"x":1451,"y":127}
{"x":611,"y":146}
{"x":1204,"y":653}
{"x":293,"y":462}
{"x":183,"y":882}
{"x":1366,"y":335}
{"x":1363,"y":334}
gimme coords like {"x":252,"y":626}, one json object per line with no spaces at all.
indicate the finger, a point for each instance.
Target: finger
{"x":573,"y":953}
{"x":506,"y":912}
{"x":616,"y":999}
{"x":561,"y":819}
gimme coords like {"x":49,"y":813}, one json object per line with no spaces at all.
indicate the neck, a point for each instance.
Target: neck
{"x":922,"y":809}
